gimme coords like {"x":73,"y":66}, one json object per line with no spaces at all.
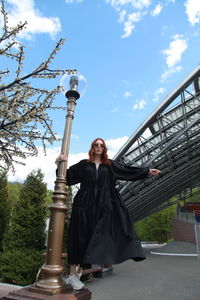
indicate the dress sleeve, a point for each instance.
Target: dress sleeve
{"x":75,"y":173}
{"x":129,"y":173}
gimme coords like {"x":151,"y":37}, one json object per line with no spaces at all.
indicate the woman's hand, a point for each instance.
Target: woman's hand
{"x":61,"y":157}
{"x":154,"y":172}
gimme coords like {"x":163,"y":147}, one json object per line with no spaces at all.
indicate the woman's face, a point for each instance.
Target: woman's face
{"x":98,"y":147}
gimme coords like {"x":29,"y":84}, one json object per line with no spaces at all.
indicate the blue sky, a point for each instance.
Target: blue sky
{"x":132,"y":53}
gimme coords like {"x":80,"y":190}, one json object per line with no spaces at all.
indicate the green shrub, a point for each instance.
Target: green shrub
{"x":20,"y":266}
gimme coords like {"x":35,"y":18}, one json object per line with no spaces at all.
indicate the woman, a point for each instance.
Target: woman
{"x":100,"y":230}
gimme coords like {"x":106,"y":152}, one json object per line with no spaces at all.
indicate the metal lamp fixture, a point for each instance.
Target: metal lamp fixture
{"x":73,"y":81}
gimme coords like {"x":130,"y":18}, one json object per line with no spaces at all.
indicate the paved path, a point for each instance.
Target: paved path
{"x":177,"y":248}
{"x":156,"y":278}
{"x":6,"y":288}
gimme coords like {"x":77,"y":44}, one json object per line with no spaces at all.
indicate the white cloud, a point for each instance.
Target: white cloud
{"x":193,"y":11}
{"x":166,"y":29}
{"x":129,"y":25}
{"x":47,"y":163}
{"x":173,"y":56}
{"x":147,"y":133}
{"x":128,"y":94}
{"x":130,"y":12}
{"x":74,"y":158}
{"x":122,"y":15}
{"x":140,"y":104}
{"x":175,"y":50}
{"x":115,"y":109}
{"x":157,"y":10}
{"x":128,"y":29}
{"x":24,"y":10}
{"x":170,"y":72}
{"x":140,"y":4}
{"x":137,"y":4}
{"x":157,"y":94}
{"x":73,"y":1}
{"x":115,"y":144}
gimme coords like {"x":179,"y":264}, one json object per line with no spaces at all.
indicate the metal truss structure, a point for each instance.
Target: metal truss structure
{"x":168,"y":140}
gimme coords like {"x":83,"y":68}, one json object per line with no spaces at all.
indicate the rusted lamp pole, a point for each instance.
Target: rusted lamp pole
{"x":51,"y":282}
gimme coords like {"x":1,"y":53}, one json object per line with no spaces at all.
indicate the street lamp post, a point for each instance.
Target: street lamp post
{"x":51,"y":286}
{"x":51,"y":282}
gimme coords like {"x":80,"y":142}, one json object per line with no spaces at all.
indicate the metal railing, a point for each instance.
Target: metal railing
{"x":184,"y":215}
{"x":197,"y":236}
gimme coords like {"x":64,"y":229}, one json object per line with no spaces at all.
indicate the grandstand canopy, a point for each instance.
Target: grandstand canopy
{"x":169,"y":139}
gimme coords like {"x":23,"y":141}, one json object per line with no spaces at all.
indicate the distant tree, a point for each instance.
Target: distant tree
{"x":158,"y":226}
{"x":14,"y":189}
{"x":25,"y":238}
{"x":27,"y":226}
{"x":4,"y":208}
{"x":24,"y":107}
{"x":195,"y":197}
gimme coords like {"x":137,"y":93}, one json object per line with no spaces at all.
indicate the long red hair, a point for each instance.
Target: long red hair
{"x":104,"y":156}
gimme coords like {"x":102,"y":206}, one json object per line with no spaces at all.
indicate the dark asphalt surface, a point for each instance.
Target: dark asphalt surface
{"x":156,"y":278}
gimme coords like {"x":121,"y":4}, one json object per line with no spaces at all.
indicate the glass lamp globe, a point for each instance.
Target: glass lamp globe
{"x":73,"y":83}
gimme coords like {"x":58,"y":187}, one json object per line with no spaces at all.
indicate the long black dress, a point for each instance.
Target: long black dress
{"x":100,"y":230}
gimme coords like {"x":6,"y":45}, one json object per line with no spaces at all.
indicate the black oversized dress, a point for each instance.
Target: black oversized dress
{"x":100,"y":230}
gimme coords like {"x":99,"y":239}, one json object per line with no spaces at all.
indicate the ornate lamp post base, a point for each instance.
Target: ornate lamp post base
{"x":27,"y":294}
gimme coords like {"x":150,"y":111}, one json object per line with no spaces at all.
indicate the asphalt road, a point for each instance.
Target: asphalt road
{"x":156,"y":278}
